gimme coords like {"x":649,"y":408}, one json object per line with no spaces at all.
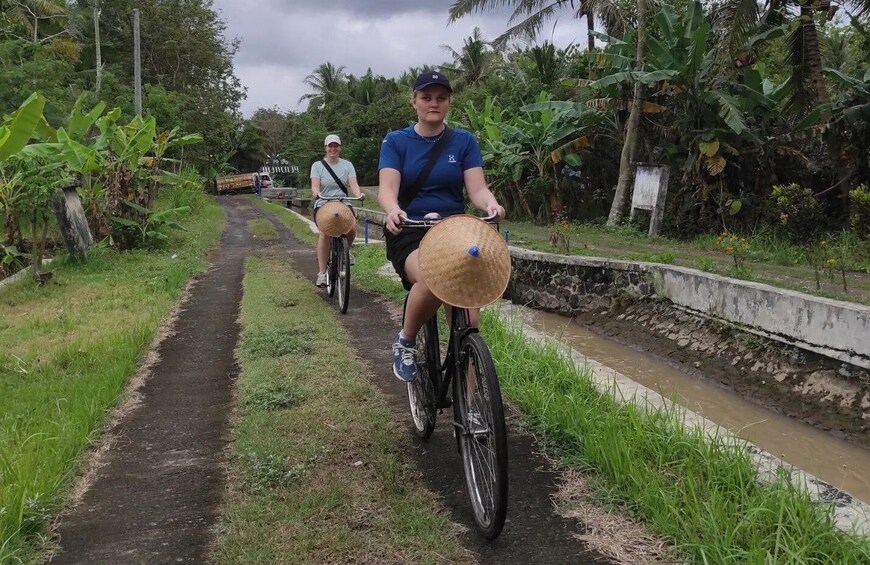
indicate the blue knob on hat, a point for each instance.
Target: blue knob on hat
{"x":474,"y":251}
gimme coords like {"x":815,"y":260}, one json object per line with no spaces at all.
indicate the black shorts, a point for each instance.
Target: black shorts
{"x":400,"y":246}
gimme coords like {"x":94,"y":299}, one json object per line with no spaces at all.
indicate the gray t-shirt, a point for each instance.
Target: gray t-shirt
{"x":328,"y":187}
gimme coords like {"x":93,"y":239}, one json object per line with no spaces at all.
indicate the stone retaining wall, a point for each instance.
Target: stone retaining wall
{"x":839,"y":330}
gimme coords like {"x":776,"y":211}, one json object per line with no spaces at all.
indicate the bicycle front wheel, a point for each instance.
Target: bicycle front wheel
{"x":332,"y":268}
{"x":343,"y":274}
{"x":421,"y":391}
{"x":482,"y":435}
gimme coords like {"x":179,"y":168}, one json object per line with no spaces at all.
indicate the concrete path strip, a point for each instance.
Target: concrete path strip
{"x":156,"y":495}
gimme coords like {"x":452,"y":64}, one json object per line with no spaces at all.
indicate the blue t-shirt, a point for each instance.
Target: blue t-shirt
{"x":407,"y":152}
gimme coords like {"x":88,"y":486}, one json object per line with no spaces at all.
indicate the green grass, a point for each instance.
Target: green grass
{"x":299,"y":227}
{"x":702,"y":494}
{"x":262,"y":229}
{"x":68,"y":350}
{"x":317,"y":472}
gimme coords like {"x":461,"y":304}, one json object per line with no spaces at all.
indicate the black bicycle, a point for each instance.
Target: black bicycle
{"x":465,"y":378}
{"x":338,"y":263}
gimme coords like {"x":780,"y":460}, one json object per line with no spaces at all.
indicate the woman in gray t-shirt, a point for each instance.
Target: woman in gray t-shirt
{"x":322,"y":184}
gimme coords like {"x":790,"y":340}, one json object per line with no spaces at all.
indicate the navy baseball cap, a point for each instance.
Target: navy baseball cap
{"x":431,"y":77}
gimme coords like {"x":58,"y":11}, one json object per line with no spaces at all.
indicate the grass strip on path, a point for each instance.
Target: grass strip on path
{"x":298,"y":226}
{"x":262,"y":228}
{"x":701,"y":493}
{"x":68,"y":349}
{"x":317,"y":472}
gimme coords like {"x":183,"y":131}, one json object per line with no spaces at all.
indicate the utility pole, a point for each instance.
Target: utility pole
{"x":97,"y":44}
{"x":137,"y":64}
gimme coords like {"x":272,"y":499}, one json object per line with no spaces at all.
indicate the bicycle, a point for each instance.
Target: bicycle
{"x":478,"y":414}
{"x":338,"y":263}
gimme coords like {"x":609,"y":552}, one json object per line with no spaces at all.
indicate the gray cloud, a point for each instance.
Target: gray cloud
{"x":283,"y":42}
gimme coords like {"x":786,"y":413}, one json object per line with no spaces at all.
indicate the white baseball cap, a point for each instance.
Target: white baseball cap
{"x":332,"y":138}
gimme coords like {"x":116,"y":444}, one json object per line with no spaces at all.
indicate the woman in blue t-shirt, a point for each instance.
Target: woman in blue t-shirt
{"x":404,"y":153}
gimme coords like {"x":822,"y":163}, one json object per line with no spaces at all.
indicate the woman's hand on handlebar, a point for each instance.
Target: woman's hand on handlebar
{"x":394,"y":220}
{"x":496,"y":211}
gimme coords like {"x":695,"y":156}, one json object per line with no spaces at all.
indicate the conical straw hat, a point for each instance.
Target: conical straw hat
{"x":465,"y":262}
{"x":335,"y":218}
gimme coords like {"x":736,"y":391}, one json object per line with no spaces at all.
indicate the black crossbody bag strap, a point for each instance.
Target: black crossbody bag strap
{"x":407,"y":195}
{"x":334,"y":176}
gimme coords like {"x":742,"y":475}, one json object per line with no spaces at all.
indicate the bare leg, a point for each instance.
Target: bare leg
{"x":322,"y":252}
{"x":422,"y":304}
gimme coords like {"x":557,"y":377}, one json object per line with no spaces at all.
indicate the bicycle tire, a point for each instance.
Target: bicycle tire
{"x":331,"y":269}
{"x":421,"y":391}
{"x":484,"y":448}
{"x":343,"y":269}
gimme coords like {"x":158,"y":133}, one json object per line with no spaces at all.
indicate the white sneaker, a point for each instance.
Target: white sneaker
{"x":321,"y":279}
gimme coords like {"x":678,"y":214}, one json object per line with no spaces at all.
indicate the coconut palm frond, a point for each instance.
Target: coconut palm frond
{"x":527,"y":28}
{"x":462,"y":8}
{"x":736,"y":21}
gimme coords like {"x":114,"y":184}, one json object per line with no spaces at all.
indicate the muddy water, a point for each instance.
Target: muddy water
{"x":835,"y":461}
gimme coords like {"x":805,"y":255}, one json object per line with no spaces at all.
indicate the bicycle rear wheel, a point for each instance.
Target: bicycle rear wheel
{"x":343,"y":269}
{"x":482,"y":435}
{"x":421,"y":391}
{"x":332,"y":269}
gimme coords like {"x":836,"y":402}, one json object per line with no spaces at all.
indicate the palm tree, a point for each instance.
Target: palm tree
{"x":25,"y":15}
{"x":326,"y":80}
{"x":529,"y":16}
{"x":247,"y":148}
{"x":740,"y":21}
{"x":472,"y":62}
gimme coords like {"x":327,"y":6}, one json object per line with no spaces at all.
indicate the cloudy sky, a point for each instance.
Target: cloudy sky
{"x":283,"y":41}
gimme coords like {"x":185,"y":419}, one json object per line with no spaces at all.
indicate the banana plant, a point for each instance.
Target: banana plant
{"x":15,"y":132}
{"x":19,"y":128}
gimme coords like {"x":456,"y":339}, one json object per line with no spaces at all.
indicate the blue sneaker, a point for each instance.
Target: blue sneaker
{"x":405,"y":359}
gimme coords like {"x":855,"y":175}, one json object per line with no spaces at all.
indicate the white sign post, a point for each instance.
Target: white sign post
{"x":650,"y":190}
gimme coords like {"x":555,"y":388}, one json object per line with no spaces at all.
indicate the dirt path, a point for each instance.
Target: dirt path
{"x":534,"y":533}
{"x":156,"y":495}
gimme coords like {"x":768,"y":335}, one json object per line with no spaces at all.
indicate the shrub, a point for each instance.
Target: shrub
{"x":735,"y":247}
{"x":798,"y":211}
{"x":859,"y":218}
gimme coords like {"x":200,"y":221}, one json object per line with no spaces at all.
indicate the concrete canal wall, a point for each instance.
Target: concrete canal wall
{"x":801,"y":355}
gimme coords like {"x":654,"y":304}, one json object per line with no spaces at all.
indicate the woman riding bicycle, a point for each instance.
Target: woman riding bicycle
{"x":404,"y":155}
{"x":325,"y":183}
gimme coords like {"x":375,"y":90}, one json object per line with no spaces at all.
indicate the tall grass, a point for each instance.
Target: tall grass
{"x":703,"y":493}
{"x":68,"y":349}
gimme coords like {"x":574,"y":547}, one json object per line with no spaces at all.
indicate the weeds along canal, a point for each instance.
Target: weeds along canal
{"x":838,"y":462}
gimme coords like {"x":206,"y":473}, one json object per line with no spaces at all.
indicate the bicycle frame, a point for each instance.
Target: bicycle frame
{"x":468,"y":375}
{"x":446,"y":372}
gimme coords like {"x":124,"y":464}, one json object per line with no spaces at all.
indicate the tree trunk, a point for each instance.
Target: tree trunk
{"x":590,"y":27}
{"x":813,"y":57}
{"x":97,"y":46}
{"x":617,"y":208}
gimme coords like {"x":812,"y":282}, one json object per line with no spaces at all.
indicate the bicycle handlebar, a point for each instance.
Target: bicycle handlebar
{"x":340,"y":198}
{"x":430,"y":220}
